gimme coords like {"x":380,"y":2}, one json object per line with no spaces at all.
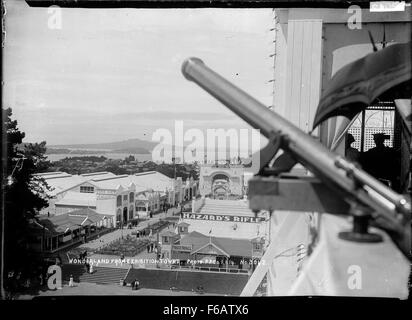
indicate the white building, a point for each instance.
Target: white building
{"x":125,"y":198}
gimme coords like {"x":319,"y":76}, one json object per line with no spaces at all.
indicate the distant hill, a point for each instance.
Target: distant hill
{"x":130,"y":146}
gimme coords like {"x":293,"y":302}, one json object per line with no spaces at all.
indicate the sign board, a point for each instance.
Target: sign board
{"x":223,"y":218}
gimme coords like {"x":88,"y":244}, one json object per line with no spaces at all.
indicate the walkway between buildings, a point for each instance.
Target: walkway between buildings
{"x":108,"y":238}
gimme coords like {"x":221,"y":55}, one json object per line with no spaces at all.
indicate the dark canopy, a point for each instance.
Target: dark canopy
{"x":385,"y":73}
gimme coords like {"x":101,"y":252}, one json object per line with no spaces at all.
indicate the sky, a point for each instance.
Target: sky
{"x":115,"y":74}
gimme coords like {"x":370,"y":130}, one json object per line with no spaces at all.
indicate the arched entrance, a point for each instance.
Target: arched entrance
{"x":125,"y":215}
{"x":220,"y":192}
{"x":118,"y":217}
{"x":131,"y":212}
{"x":220,"y":186}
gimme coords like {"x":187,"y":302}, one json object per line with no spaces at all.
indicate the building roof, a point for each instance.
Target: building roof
{"x":52,"y":174}
{"x":153,"y":180}
{"x":207,"y":247}
{"x":183,"y":224}
{"x":78,"y":199}
{"x":70,"y":221}
{"x":98,"y":175}
{"x":113,"y":183}
{"x":61,"y":183}
{"x":168,"y":233}
{"x":233,"y":247}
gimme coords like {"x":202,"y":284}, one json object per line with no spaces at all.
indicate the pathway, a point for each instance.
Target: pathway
{"x":107,"y":238}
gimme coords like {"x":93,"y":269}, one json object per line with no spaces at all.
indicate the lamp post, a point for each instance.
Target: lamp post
{"x":174,"y":167}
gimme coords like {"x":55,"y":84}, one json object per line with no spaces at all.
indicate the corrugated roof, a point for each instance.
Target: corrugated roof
{"x":113,"y":183}
{"x":205,"y":249}
{"x":64,"y":183}
{"x":98,"y":174}
{"x":153,"y":180}
{"x":234,"y":247}
{"x":70,"y":221}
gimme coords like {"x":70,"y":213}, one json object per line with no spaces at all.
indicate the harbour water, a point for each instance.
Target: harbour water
{"x":139,"y":157}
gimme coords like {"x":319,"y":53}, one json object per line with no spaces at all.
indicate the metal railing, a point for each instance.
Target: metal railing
{"x":210,"y":269}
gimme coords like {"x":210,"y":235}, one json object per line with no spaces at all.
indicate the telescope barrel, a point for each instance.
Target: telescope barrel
{"x":303,"y":147}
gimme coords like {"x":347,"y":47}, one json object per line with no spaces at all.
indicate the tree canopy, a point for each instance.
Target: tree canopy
{"x":24,"y":193}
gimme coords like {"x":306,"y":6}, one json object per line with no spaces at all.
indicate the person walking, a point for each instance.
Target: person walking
{"x":71,"y":282}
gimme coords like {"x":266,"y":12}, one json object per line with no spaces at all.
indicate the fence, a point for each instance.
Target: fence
{"x":210,"y":269}
{"x":369,"y":131}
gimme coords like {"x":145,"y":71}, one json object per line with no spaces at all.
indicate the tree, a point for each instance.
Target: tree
{"x":24,"y":194}
{"x":115,"y":169}
{"x":129,"y":159}
{"x":195,"y":173}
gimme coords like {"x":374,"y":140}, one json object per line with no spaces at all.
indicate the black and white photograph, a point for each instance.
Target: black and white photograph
{"x":206,"y":149}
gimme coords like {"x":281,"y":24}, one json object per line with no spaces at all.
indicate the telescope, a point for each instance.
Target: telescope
{"x":339,"y":186}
